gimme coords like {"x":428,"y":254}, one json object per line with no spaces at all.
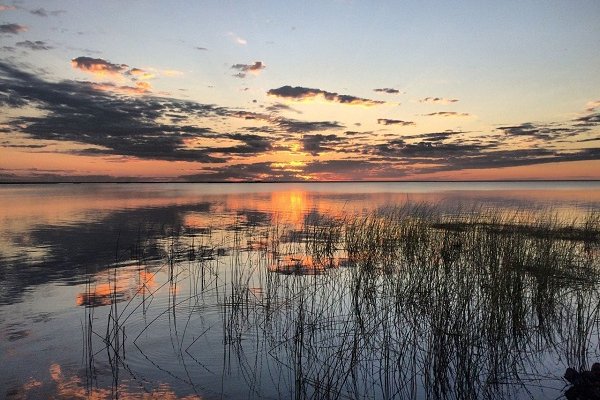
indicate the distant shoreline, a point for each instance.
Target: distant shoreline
{"x":301,"y":182}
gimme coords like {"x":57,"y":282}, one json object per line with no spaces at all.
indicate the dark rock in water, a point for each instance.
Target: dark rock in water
{"x":586,"y":384}
{"x":572,"y":376}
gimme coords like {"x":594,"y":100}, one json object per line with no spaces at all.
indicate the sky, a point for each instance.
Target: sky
{"x":294,"y":91}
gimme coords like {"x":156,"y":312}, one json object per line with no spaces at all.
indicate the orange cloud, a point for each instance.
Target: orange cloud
{"x":98,"y":66}
{"x":592,"y":105}
{"x":248,"y":68}
{"x":139,"y":73}
{"x":139,"y":88}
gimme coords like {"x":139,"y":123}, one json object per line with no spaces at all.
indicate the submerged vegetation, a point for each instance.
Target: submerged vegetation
{"x":405,"y":302}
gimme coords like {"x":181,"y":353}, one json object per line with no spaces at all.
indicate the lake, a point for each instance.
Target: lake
{"x":298,"y":290}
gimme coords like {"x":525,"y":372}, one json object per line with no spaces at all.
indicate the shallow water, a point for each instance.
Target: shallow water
{"x":100,"y":295}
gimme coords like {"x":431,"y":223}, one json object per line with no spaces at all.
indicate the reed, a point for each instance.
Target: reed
{"x":405,"y":302}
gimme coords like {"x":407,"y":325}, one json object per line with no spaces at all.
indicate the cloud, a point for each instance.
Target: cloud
{"x":12,"y":28}
{"x":591,"y":106}
{"x":385,"y":121}
{"x":589,"y":120}
{"x":295,"y":126}
{"x":139,"y":88}
{"x":138,"y":73}
{"x":40,"y":12}
{"x":110,"y":124}
{"x":427,"y":149}
{"x":299,"y":93}
{"x":433,"y":137}
{"x":260,"y":171}
{"x":358,"y":169}
{"x":244,"y":69}
{"x":318,"y":143}
{"x":439,"y":155}
{"x":98,"y":66}
{"x":22,"y":146}
{"x":387,"y":90}
{"x":277,"y":107}
{"x":447,"y":114}
{"x":252,"y":145}
{"x":538,"y":131}
{"x":437,"y":100}
{"x":237,"y":39}
{"x":171,"y":72}
{"x":37,"y":45}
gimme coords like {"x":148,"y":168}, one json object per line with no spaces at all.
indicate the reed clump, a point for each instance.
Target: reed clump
{"x":402,"y":302}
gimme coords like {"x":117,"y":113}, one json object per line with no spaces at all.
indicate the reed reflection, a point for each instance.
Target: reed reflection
{"x":406,"y":302}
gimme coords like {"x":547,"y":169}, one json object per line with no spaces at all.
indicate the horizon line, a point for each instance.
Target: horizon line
{"x":304,"y":182}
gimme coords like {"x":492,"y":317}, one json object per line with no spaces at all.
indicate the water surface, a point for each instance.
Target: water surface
{"x":81,"y":263}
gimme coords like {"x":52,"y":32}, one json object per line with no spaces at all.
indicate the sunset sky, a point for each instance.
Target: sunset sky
{"x":312,"y":90}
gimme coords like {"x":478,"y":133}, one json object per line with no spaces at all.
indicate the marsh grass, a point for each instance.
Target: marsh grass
{"x":404,"y":302}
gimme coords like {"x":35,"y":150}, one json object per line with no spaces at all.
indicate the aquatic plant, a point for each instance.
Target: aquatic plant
{"x":402,"y":302}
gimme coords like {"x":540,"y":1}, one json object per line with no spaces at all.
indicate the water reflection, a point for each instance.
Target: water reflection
{"x":67,"y":387}
{"x":109,"y":288}
{"x":298,"y":290}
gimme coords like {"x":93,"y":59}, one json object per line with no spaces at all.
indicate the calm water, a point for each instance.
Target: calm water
{"x":83,"y":263}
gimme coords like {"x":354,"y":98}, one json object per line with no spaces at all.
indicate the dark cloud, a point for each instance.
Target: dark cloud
{"x":277,"y":172}
{"x":387,"y":90}
{"x":358,"y":169}
{"x":287,"y":125}
{"x":539,"y":131}
{"x":34,"y":175}
{"x":519,"y":157}
{"x":277,"y":107}
{"x":443,"y":156}
{"x":252,"y":145}
{"x":385,"y":121}
{"x":427,"y":150}
{"x":303,"y":93}
{"x":40,"y":12}
{"x":318,"y":143}
{"x":111,"y":124}
{"x":433,"y":137}
{"x":261,"y":171}
{"x":37,"y":45}
{"x":447,"y":114}
{"x":12,"y":28}
{"x":437,"y":100}
{"x":589,"y":120}
{"x":295,"y":126}
{"x":98,"y":66}
{"x":248,"y":68}
{"x":22,"y":146}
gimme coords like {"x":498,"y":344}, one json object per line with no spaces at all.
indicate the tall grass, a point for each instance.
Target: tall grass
{"x":403,"y":302}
